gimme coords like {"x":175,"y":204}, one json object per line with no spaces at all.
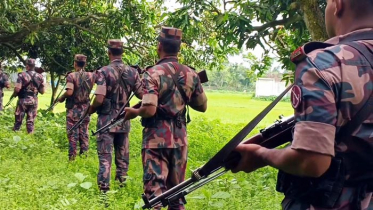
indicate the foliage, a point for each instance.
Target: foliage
{"x":35,"y":172}
{"x":279,"y":26}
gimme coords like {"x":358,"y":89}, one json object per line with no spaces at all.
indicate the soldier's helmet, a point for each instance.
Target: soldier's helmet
{"x":30,"y":62}
{"x":80,"y":58}
{"x":169,"y":33}
{"x":115,"y":44}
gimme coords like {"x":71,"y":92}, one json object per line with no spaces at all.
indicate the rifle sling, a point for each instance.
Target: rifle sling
{"x":175,"y":79}
{"x":32,"y":80}
{"x":367,"y":108}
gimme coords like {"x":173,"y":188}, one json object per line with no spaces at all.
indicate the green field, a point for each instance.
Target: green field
{"x":35,"y":173}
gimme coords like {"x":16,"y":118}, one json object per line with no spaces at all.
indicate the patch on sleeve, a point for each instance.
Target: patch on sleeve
{"x":296,"y":96}
{"x":297,"y":55}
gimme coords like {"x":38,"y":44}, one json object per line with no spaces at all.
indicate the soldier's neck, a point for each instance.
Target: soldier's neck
{"x":115,"y":58}
{"x":354,"y":24}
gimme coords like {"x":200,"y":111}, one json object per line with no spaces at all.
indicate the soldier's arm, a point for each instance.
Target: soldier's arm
{"x":17,"y":86}
{"x":137,"y":87}
{"x":313,"y":141}
{"x":149,"y":99}
{"x":7,"y":81}
{"x":198,"y":100}
{"x":69,"y":88}
{"x":99,"y":93}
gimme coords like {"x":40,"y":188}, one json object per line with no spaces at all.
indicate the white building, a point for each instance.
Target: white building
{"x":269,"y":87}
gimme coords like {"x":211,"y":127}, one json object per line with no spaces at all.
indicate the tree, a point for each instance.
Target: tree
{"x":56,"y":30}
{"x":232,"y":23}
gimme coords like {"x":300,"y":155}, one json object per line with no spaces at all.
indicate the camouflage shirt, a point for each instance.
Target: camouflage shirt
{"x":24,"y":82}
{"x":332,"y":84}
{"x":81,"y":83}
{"x":109,"y":80}
{"x":160,"y":90}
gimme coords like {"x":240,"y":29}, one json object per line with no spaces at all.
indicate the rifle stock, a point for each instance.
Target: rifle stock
{"x":271,"y":137}
{"x":203,"y":76}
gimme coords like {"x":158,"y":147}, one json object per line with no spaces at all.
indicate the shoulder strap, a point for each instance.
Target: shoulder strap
{"x":367,"y":108}
{"x":120,"y":81}
{"x":32,"y":79}
{"x":174,"y":78}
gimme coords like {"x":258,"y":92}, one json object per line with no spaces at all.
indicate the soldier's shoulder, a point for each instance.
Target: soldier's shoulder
{"x":307,"y":50}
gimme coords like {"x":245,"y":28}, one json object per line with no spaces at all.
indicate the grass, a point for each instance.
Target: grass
{"x":35,"y":173}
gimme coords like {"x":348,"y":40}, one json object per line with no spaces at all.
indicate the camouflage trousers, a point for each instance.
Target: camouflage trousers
{"x":79,"y":134}
{"x":105,"y":144}
{"x":163,"y":169}
{"x":345,"y":202}
{"x":30,"y":109}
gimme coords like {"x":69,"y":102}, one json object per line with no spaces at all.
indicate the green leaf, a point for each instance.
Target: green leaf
{"x":86,"y":185}
{"x":222,"y":195}
{"x":16,"y":139}
{"x":71,"y":185}
{"x":80,"y":176}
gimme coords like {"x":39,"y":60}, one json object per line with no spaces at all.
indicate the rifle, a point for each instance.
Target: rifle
{"x":56,"y":100}
{"x":226,"y":159}
{"x":59,"y":94}
{"x":272,"y":136}
{"x":10,"y":101}
{"x":82,"y":118}
{"x":118,"y":119}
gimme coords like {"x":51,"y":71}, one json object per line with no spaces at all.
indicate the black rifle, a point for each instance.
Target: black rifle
{"x":118,"y":119}
{"x":56,"y":100}
{"x":81,"y":118}
{"x":10,"y":101}
{"x":226,"y":159}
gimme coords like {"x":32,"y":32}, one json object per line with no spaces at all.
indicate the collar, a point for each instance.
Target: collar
{"x":168,"y":59}
{"x":117,"y":60}
{"x":335,"y":40}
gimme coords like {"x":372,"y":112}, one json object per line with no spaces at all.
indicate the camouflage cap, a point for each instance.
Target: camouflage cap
{"x":170,"y":33}
{"x":30,"y":62}
{"x":80,"y":57}
{"x":115,"y":44}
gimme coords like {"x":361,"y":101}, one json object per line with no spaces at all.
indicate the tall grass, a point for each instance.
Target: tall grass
{"x":35,"y":172}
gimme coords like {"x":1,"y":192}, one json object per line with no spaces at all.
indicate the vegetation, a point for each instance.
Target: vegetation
{"x":35,"y":172}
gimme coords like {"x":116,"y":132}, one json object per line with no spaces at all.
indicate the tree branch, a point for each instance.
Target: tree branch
{"x":11,"y":47}
{"x":35,"y":27}
{"x":275,"y":23}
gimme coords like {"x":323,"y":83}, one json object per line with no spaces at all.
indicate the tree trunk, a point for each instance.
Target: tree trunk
{"x":314,"y":19}
{"x":54,"y":86}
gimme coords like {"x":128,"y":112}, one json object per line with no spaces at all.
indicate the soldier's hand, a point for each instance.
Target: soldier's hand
{"x":61,"y":99}
{"x":130,"y":113}
{"x":250,"y":159}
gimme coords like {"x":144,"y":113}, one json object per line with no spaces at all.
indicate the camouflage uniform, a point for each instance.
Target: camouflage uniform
{"x":332,"y":84}
{"x":115,"y":97}
{"x":30,"y":83}
{"x":164,"y":147}
{"x":81,"y":83}
{"x":4,"y":81}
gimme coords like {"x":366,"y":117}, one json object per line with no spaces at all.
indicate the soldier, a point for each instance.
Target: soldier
{"x":27,"y":87}
{"x":115,"y":83}
{"x":168,"y":88}
{"x":4,"y":82}
{"x":329,"y":163}
{"x":78,"y":87}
